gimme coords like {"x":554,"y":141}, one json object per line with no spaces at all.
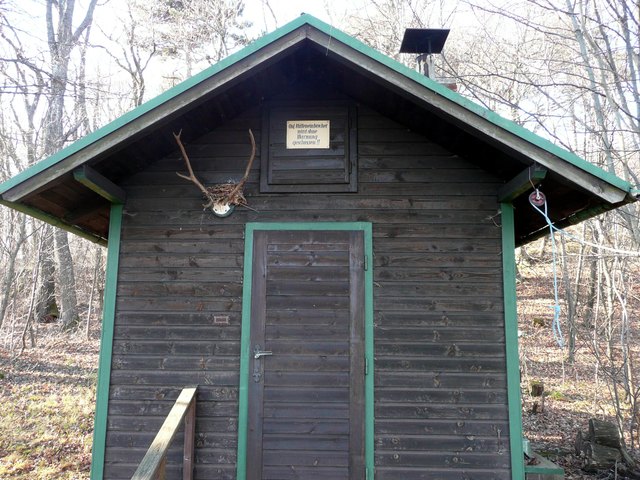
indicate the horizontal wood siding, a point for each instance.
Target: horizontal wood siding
{"x":440,"y":375}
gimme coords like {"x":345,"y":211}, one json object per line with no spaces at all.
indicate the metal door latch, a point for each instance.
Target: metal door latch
{"x":258,"y":353}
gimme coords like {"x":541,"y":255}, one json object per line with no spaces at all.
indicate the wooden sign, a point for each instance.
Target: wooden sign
{"x":309,"y":146}
{"x":307,"y":134}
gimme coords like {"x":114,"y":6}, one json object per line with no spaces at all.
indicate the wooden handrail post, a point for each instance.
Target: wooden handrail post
{"x":189,"y":441}
{"x":152,"y":466}
{"x":162,"y":470}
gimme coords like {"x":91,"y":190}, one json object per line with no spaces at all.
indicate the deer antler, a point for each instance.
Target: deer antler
{"x":192,"y":176}
{"x":248,"y":169}
{"x":225,"y":193}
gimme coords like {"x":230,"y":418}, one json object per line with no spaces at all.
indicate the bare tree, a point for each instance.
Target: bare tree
{"x":35,"y":96}
{"x":22,"y":92}
{"x":569,"y":70}
{"x":197,"y":32}
{"x":135,"y":50}
{"x":62,"y":39}
{"x":50,"y":99}
{"x":381,"y":24}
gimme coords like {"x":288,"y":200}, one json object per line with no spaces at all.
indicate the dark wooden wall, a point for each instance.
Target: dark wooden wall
{"x":440,"y":374}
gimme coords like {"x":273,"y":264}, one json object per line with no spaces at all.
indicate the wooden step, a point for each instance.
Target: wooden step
{"x":543,"y":470}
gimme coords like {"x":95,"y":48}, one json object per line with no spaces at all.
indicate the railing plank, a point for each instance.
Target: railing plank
{"x":154,"y":459}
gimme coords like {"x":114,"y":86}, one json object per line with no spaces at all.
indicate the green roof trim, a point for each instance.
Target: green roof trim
{"x":479,"y":110}
{"x":357,"y":45}
{"x":149,"y":105}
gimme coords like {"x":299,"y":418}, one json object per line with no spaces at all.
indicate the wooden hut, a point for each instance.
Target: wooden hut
{"x":357,"y":318}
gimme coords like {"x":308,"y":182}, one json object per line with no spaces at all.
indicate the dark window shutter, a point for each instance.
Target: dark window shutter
{"x":331,"y":169}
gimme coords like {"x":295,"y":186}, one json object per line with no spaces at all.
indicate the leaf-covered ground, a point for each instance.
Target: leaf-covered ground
{"x":47,"y":398}
{"x":574,"y":393}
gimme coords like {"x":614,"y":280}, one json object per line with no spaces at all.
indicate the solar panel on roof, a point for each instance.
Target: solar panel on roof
{"x":424,"y":40}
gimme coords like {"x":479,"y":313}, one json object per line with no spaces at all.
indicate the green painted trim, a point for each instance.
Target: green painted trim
{"x":55,"y":221}
{"x":471,"y":106}
{"x":335,"y":35}
{"x":150,"y":105}
{"x":511,"y":340}
{"x":106,"y":344}
{"x":369,"y":396}
{"x":245,"y":347}
{"x":541,"y":470}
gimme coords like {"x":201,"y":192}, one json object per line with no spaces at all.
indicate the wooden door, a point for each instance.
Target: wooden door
{"x":306,"y":387}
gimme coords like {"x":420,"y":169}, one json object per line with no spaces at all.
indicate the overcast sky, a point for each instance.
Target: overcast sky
{"x":286,"y":10}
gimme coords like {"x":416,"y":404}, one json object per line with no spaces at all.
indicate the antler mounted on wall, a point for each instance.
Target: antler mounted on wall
{"x":221,"y":198}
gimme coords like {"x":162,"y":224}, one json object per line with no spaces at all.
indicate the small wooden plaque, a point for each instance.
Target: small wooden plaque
{"x":308,"y":134}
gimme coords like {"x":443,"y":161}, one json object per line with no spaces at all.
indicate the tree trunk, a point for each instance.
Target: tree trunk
{"x":19,"y":237}
{"x":592,"y":292}
{"x":32,"y":297}
{"x":599,"y":457}
{"x":604,"y":433}
{"x":62,"y":40}
{"x":94,"y":286}
{"x":46,"y":306}
{"x":571,"y":310}
{"x":66,"y":281}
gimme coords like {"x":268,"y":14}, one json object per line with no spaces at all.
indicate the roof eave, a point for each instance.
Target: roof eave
{"x":574,"y":219}
{"x":476,"y":119}
{"x":55,"y":221}
{"x":153,"y":111}
{"x":424,"y":91}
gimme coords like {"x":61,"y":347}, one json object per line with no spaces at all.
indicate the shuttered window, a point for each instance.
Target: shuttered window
{"x":309,"y":148}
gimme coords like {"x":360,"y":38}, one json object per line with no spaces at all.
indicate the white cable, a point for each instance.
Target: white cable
{"x":630,"y":253}
{"x":539,"y":197}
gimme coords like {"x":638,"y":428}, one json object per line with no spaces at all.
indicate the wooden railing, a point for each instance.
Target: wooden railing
{"x":153,"y":464}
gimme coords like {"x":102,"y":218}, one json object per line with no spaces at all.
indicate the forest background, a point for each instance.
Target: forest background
{"x":565,"y":69}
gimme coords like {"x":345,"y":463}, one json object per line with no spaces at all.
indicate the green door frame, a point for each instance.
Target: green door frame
{"x":245,"y":347}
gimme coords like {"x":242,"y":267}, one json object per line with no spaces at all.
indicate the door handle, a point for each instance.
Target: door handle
{"x":258,"y":353}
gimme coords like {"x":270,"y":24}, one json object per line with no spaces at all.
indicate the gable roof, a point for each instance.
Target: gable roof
{"x":54,"y":190}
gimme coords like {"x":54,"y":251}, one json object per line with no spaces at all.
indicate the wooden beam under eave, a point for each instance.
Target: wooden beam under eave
{"x":99,"y":184}
{"x":87,"y":210}
{"x":56,"y":222}
{"x":521,"y":183}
